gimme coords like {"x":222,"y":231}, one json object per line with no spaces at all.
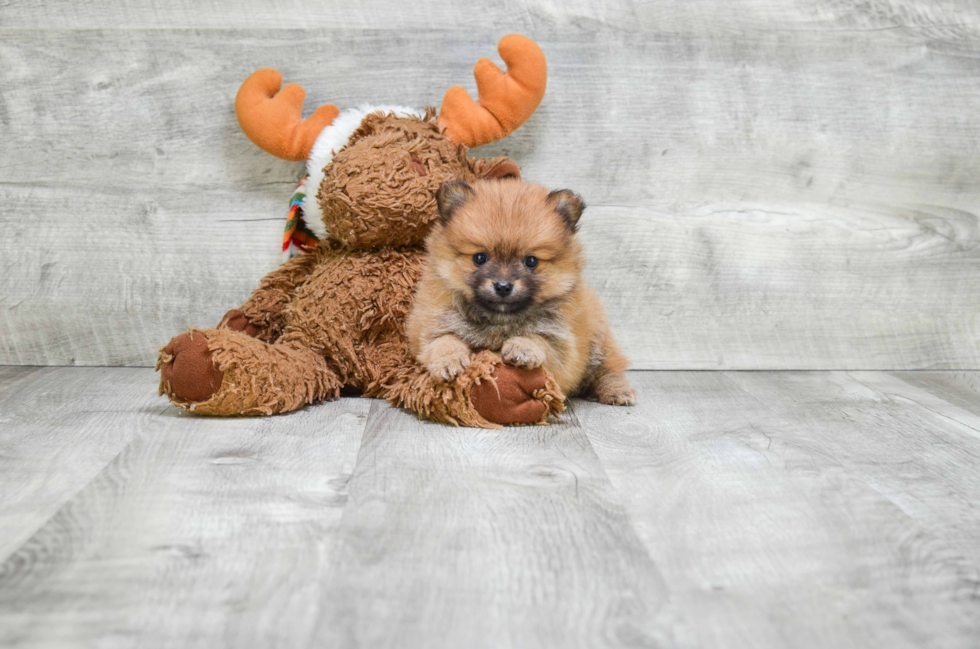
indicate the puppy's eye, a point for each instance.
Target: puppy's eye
{"x":531,"y":261}
{"x":480,"y":258}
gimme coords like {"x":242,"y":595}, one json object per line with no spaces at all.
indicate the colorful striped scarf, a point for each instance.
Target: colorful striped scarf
{"x":298,"y":239}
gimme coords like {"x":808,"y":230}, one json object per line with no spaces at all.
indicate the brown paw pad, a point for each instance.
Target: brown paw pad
{"x":187,"y":372}
{"x":510,"y":397}
{"x":235,"y":320}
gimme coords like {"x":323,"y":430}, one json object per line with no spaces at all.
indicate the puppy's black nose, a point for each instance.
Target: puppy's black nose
{"x":503,"y":288}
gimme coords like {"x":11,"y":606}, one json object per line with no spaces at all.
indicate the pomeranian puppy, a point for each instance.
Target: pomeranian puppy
{"x":504,"y":273}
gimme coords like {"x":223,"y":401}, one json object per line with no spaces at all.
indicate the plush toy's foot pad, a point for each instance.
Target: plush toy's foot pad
{"x":516,"y":396}
{"x":235,"y":320}
{"x":187,"y":371}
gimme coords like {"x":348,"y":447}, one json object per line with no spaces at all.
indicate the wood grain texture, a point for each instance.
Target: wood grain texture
{"x":58,"y":429}
{"x":798,"y":509}
{"x":253,"y":532}
{"x":772,"y":186}
{"x":794,"y":286}
{"x":943,"y":16}
{"x":202,"y":532}
{"x":111,"y":300}
{"x":961,"y":389}
{"x":895,"y":389}
{"x":493,"y":538}
{"x":920,"y":458}
{"x":736,"y":509}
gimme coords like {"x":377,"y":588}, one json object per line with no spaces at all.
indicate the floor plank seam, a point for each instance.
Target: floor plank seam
{"x":74,"y":495}
{"x":891,"y":399}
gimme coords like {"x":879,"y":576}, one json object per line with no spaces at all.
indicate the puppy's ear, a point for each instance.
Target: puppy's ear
{"x":452,"y":196}
{"x":569,"y":206}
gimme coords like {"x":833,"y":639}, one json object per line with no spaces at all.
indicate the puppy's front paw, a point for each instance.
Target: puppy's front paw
{"x":523,"y":353}
{"x":614,"y":390}
{"x":446,"y":358}
{"x":447,"y":368}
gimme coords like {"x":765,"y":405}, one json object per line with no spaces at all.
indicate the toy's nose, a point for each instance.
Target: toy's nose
{"x":503,"y":288}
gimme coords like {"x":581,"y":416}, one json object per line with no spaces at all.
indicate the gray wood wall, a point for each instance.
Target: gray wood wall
{"x":772,"y":183}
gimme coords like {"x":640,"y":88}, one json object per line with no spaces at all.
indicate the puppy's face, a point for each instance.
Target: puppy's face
{"x":504,"y":246}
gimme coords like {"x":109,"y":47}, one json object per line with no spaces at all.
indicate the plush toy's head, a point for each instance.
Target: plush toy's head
{"x":373,"y":172}
{"x":381,"y":188}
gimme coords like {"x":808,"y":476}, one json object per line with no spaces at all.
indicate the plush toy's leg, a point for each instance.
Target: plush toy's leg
{"x":224,"y":372}
{"x":487,"y":395}
{"x":262,"y":314}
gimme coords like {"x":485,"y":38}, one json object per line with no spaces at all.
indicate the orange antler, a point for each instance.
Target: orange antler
{"x":273,"y":118}
{"x":506,"y":99}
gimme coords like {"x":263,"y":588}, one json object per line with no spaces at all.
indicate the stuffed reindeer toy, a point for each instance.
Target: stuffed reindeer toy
{"x":334,"y":317}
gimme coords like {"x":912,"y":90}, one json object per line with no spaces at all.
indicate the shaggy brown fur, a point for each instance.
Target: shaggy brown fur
{"x":336,"y":317}
{"x":504,"y":273}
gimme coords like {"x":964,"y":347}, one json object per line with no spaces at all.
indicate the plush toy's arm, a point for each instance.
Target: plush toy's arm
{"x":261,"y":315}
{"x":487,"y":395}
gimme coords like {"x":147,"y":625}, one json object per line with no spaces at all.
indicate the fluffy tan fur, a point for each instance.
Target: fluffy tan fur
{"x":547,"y":319}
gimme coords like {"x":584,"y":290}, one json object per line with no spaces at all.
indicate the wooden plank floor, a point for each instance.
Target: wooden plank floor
{"x":757,"y":509}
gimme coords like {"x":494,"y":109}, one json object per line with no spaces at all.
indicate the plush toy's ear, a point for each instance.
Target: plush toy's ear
{"x":452,"y":196}
{"x":506,"y":169}
{"x":569,"y":206}
{"x":490,"y":168}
